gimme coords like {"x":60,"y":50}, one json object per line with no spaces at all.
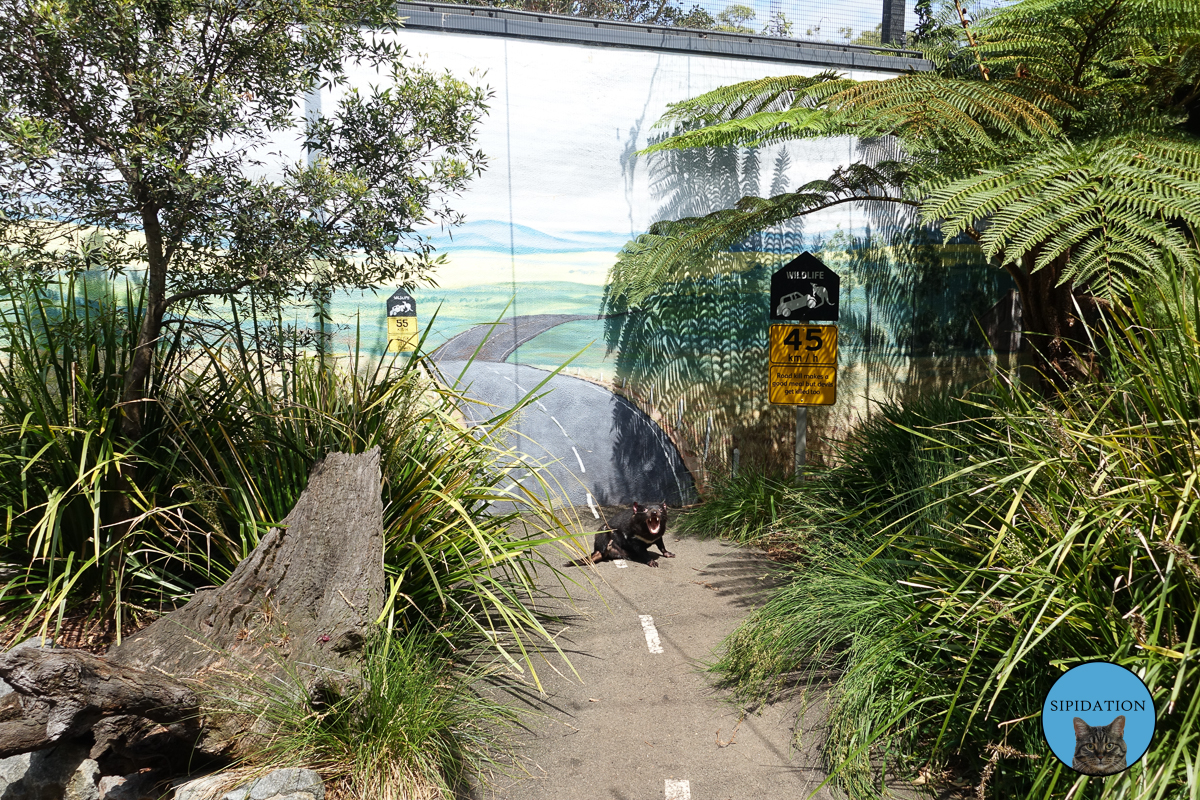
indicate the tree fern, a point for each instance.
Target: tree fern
{"x":689,"y":248}
{"x":928,"y":110}
{"x":1119,"y":204}
{"x":745,"y":99}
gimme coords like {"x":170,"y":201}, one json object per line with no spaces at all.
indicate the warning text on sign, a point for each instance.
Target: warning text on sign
{"x":803,"y":385}
{"x":402,"y":333}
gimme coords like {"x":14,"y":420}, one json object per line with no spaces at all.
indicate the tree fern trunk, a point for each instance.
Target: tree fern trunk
{"x":1062,"y":351}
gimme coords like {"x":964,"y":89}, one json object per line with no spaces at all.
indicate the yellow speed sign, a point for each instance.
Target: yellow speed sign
{"x":804,"y":344}
{"x":803,"y":365}
{"x":402,"y":334}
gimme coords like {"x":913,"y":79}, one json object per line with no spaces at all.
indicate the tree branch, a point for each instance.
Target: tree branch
{"x":193,"y":293}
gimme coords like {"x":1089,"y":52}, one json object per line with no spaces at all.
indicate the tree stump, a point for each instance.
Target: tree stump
{"x":300,"y":605}
{"x":307,"y":594}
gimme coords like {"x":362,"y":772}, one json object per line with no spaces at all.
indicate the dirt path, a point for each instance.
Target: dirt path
{"x":646,"y":722}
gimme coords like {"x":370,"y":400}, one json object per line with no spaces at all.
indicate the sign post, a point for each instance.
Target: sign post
{"x":802,"y":357}
{"x":402,"y":327}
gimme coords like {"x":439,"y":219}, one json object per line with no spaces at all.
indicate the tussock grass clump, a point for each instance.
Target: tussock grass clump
{"x":982,"y":547}
{"x":741,"y":508}
{"x":229,"y":440}
{"x":418,"y":729}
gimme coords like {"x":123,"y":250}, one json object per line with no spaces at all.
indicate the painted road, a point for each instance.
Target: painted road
{"x":496,"y":342}
{"x":644,"y":720}
{"x":597,"y":448}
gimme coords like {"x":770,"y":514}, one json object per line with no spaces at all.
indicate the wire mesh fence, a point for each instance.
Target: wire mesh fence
{"x":848,"y":23}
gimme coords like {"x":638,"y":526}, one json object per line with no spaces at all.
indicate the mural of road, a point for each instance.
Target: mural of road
{"x":598,"y":448}
{"x":496,"y":342}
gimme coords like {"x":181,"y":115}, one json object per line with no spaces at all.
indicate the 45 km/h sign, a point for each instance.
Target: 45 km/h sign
{"x":803,"y":365}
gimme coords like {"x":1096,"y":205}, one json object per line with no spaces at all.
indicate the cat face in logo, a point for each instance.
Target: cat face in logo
{"x":1099,"y":749}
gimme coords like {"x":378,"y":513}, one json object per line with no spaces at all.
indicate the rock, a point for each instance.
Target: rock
{"x":287,"y":782}
{"x":138,"y":786}
{"x":63,"y":772}
{"x":282,"y":784}
{"x":13,"y":769}
{"x":84,"y":782}
{"x":205,"y":788}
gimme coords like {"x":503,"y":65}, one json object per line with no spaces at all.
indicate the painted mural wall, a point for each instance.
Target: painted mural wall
{"x":565,"y":190}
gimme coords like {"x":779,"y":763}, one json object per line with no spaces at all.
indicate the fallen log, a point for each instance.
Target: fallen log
{"x":60,"y":693}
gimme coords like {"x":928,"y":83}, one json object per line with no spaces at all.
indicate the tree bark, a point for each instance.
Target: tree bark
{"x":63,"y":693}
{"x":138,"y":373}
{"x":121,"y":483}
{"x":309,"y":593}
{"x":1057,"y":335}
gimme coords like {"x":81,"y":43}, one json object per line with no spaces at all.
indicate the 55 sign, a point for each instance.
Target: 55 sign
{"x":402,"y":329}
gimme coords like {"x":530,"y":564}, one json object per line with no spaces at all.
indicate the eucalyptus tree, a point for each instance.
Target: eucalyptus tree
{"x":152,"y":121}
{"x":1061,"y":135}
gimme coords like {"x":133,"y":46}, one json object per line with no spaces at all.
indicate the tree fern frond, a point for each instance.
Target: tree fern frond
{"x":1069,"y":148}
{"x":1112,"y":199}
{"x":927,"y":106}
{"x":1082,"y":43}
{"x":758,"y":129}
{"x":691,"y":247}
{"x":741,"y":100}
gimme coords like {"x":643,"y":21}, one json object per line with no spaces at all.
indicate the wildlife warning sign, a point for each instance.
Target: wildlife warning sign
{"x":805,"y":290}
{"x":402,"y":330}
{"x":803,"y":365}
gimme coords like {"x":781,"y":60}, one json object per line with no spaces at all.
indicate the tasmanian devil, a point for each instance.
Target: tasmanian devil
{"x":630,"y":534}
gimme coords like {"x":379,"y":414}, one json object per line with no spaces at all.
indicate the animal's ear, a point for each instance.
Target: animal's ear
{"x":1081,"y":728}
{"x":636,"y":508}
{"x":1117,"y":726}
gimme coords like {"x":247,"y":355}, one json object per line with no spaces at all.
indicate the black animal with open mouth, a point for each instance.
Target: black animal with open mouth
{"x":630,"y":535}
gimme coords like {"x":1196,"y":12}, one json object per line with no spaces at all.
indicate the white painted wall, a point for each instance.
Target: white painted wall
{"x":565,"y":123}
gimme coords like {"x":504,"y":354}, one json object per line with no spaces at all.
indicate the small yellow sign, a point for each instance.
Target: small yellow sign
{"x":803,"y":385}
{"x":808,"y":345}
{"x":402,"y":334}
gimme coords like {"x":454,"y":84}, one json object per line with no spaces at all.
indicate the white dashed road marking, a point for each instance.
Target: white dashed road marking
{"x":560,"y":427}
{"x":651,"y":633}
{"x":514,"y":383}
{"x":677,"y":790}
{"x":592,"y":506}
{"x":580,"y":460}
